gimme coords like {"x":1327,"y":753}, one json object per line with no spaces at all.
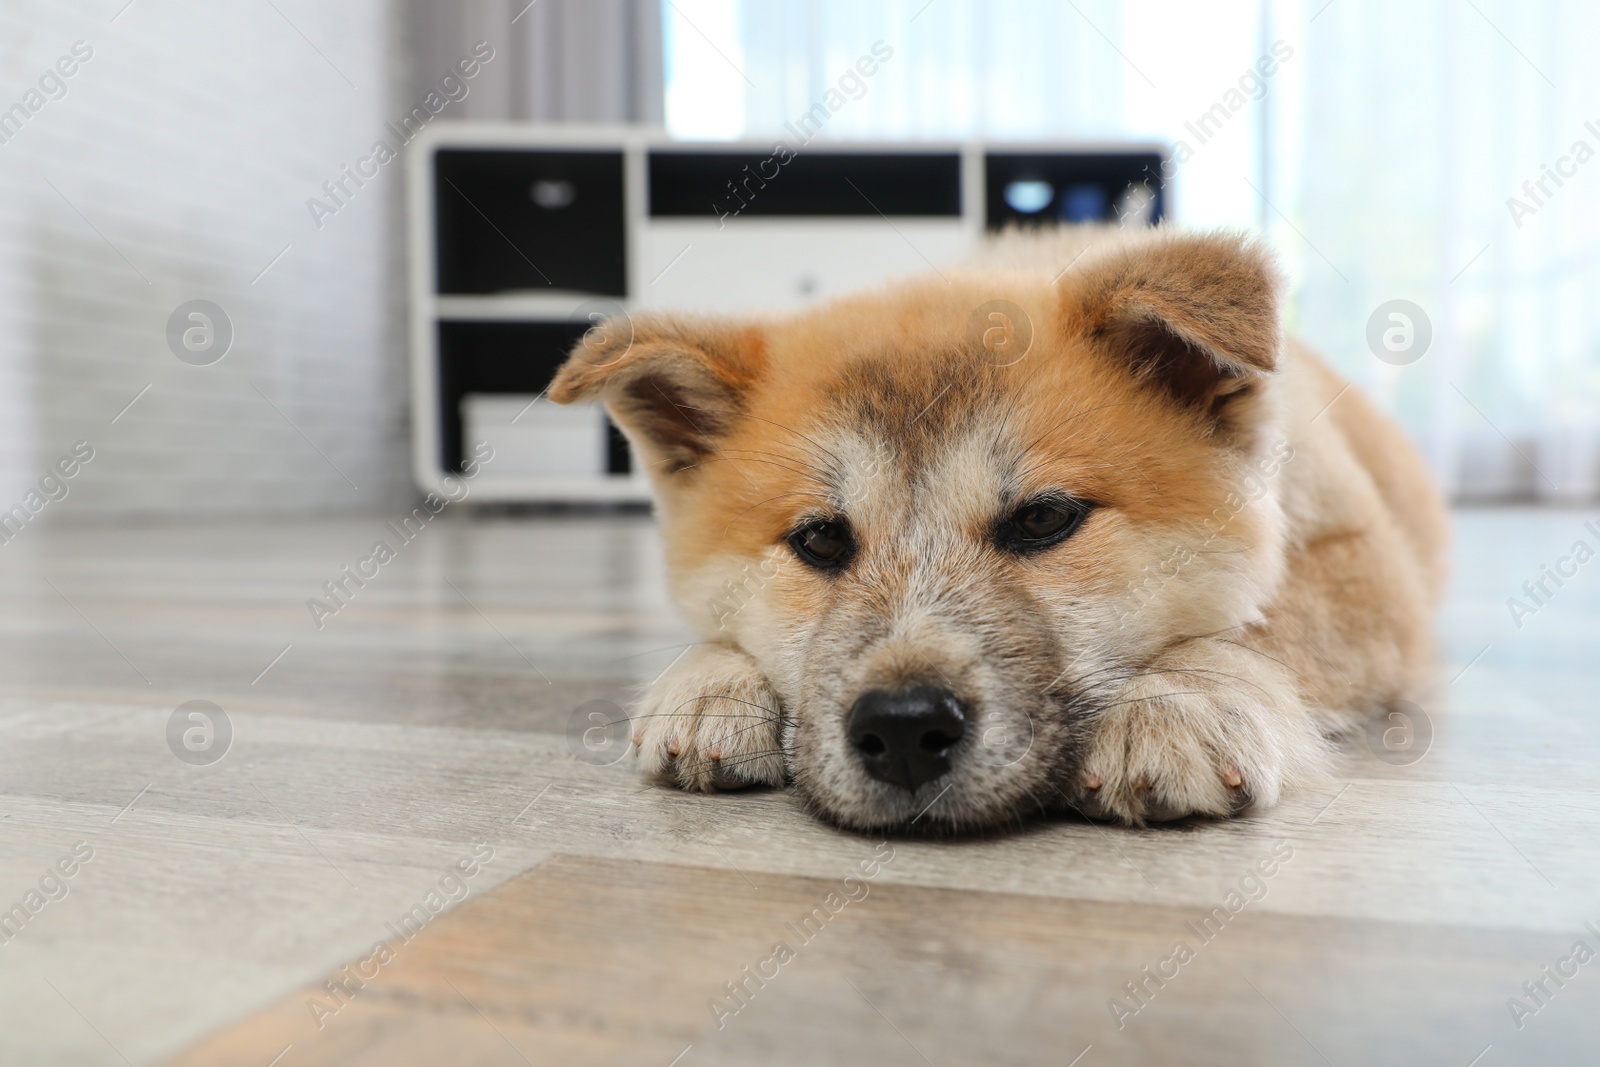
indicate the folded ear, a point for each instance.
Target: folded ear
{"x":1195,"y":314}
{"x":674,"y":386}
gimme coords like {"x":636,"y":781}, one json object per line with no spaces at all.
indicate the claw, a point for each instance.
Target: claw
{"x":1232,"y":778}
{"x":1092,"y":782}
{"x":674,"y":747}
{"x":1089,"y":806}
{"x":1160,"y":811}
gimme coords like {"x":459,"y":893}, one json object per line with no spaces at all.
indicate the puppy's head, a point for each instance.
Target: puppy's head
{"x":950,"y":519}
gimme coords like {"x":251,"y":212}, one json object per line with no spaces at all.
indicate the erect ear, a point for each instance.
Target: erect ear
{"x":675,"y":386}
{"x":1195,"y":314}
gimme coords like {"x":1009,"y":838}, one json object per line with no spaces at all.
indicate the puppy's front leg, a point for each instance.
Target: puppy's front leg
{"x":710,"y":722}
{"x":1211,"y":727}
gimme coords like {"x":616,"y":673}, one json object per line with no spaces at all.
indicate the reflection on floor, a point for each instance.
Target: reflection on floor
{"x":257,"y":876}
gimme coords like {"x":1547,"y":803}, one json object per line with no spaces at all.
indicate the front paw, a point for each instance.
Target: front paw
{"x":1195,"y":742}
{"x":710,"y":722}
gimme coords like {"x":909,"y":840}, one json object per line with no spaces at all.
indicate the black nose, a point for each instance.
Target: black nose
{"x":904,"y":737}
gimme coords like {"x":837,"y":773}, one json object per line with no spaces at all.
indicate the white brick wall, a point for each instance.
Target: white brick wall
{"x":191,"y":141}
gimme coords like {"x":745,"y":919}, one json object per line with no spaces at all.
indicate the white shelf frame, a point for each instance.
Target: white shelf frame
{"x":427,"y":306}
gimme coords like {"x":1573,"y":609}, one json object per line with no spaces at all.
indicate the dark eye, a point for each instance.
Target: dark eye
{"x":1041,"y":523}
{"x":825,"y":545}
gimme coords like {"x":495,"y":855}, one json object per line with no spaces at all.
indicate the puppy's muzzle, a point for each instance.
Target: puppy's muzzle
{"x":904,"y":736}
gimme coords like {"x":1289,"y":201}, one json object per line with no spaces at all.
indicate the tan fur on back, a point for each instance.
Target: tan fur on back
{"x":1259,"y":570}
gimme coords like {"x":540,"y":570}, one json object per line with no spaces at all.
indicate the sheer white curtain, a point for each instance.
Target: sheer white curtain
{"x":1421,"y":125}
{"x":1378,"y":153}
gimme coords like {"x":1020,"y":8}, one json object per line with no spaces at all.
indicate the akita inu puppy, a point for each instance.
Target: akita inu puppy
{"x":1015,"y":538}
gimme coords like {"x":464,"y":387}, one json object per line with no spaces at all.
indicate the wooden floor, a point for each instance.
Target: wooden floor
{"x":398,"y":859}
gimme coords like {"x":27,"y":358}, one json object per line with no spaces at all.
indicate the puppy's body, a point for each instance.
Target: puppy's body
{"x":1242,"y":555}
